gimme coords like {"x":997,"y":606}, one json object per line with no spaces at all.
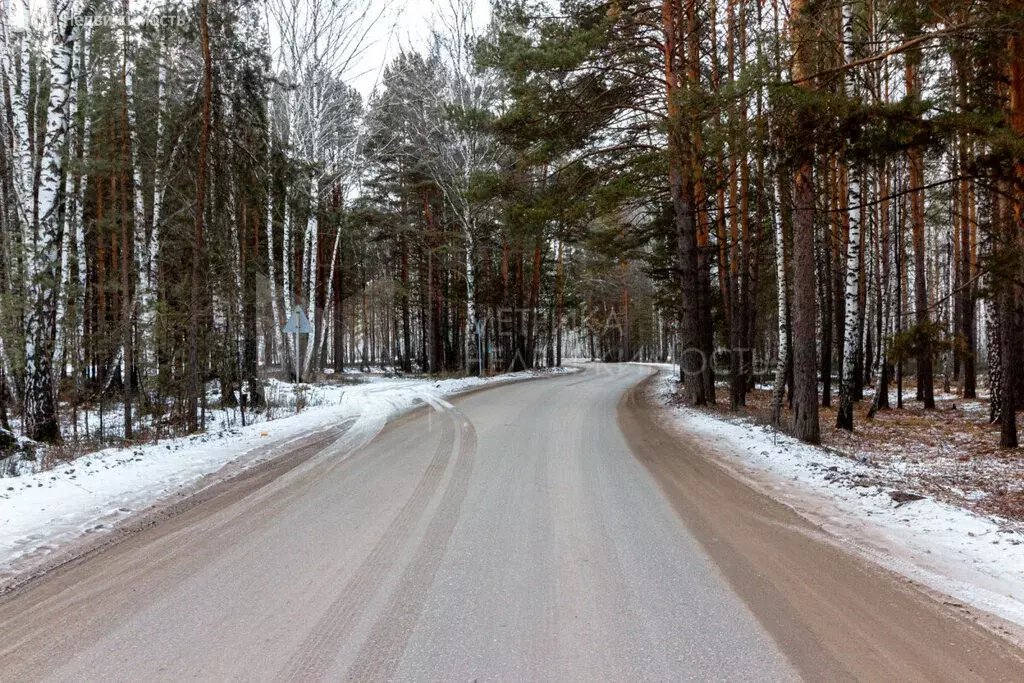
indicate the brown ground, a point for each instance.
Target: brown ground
{"x":951,"y":453}
{"x":835,"y":616}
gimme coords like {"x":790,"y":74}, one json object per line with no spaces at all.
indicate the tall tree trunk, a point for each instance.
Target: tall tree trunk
{"x":277,"y":321}
{"x":133,"y":219}
{"x":44,"y":251}
{"x":693,"y":363}
{"x":531,"y":327}
{"x":851,"y":379}
{"x":322,"y":318}
{"x":700,"y":199}
{"x":407,"y":352}
{"x":884,"y":292}
{"x":968,"y":306}
{"x":559,"y":285}
{"x":805,"y":384}
{"x":24,"y":163}
{"x":148,"y":247}
{"x":1009,"y":256}
{"x":844,"y":416}
{"x":469,"y":331}
{"x":993,"y":317}
{"x":196,"y":309}
{"x":915,"y":161}
{"x":82,"y":313}
{"x":781,"y":298}
{"x":827,"y":263}
{"x":435,"y":305}
{"x":310,"y":271}
{"x":68,"y":229}
{"x":736,"y":271}
{"x":338,"y":316}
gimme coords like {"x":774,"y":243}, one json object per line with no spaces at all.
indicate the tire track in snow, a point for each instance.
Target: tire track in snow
{"x":316,"y":654}
{"x":382,"y":651}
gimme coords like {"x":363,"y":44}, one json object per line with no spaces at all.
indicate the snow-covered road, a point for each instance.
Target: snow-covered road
{"x":974,"y":558}
{"x":550,"y":530}
{"x":42,"y":512}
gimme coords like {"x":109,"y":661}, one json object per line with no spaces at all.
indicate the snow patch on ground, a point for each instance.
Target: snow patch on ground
{"x":40,"y":511}
{"x":976,"y":559}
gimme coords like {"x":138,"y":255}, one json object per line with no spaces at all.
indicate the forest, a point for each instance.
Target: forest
{"x":821,"y":196}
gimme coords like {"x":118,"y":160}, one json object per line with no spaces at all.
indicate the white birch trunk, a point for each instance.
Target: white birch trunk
{"x":307,"y":240}
{"x":884,"y":289}
{"x":286,"y":260}
{"x":471,"y":342}
{"x":314,"y":121}
{"x":287,"y":359}
{"x":70,"y":214}
{"x":159,"y":190}
{"x":145,"y":280}
{"x":80,"y":198}
{"x":158,"y":175}
{"x":24,"y":165}
{"x":6,"y":69}
{"x":312,"y":237}
{"x":851,"y":336}
{"x":844,"y":418}
{"x":236,"y":251}
{"x":780,"y":299}
{"x":40,"y":407}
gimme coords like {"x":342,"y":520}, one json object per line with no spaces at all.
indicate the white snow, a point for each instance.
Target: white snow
{"x":40,"y":511}
{"x":976,"y":559}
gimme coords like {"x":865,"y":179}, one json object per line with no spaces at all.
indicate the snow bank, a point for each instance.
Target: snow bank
{"x":975,"y":559}
{"x":40,"y":511}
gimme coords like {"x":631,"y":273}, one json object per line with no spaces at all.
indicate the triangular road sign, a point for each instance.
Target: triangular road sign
{"x":298,"y":323}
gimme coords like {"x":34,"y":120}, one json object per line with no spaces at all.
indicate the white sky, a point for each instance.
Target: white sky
{"x":403,"y":23}
{"x":406,"y":24}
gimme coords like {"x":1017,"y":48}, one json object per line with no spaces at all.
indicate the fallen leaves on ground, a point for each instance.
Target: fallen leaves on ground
{"x":950,"y":453}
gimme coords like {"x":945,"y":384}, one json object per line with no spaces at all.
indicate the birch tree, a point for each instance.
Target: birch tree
{"x":44,"y":252}
{"x":458,"y":145}
{"x":319,"y":42}
{"x":854,"y":210}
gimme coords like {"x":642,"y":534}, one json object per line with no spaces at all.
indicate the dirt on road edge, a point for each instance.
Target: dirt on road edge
{"x":835,"y":616}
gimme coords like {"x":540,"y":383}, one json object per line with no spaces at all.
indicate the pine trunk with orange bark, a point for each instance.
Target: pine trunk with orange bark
{"x":693,"y":365}
{"x":805,"y":355}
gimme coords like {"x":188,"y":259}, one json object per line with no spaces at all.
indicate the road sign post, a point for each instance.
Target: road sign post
{"x":480,"y":325}
{"x":297,"y":324}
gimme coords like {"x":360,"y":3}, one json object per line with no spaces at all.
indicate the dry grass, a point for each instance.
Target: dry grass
{"x":951,"y":453}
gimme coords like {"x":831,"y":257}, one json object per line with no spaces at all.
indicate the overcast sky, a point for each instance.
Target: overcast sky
{"x":405,"y":24}
{"x":402,"y":23}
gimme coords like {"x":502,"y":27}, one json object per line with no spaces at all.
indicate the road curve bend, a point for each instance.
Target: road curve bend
{"x":510,"y":535}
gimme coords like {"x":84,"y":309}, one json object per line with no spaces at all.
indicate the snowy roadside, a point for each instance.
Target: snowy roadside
{"x":41,"y":511}
{"x":976,"y":559}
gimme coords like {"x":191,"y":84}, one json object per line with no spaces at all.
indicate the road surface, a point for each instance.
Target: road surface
{"x":546,"y":530}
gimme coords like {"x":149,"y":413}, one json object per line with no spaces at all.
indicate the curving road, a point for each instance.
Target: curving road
{"x":512,"y":535}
